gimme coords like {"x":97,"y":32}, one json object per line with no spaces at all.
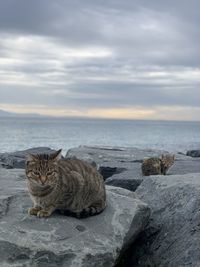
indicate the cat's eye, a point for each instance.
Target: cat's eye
{"x":50,"y":173}
{"x":36,"y":173}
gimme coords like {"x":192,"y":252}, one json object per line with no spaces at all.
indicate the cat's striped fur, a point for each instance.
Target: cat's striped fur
{"x":69,"y":185}
{"x":156,"y":166}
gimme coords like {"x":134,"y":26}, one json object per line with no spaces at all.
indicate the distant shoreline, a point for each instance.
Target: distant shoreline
{"x":38,"y":116}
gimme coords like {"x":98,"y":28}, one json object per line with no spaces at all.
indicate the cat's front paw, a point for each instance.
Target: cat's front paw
{"x":43,"y":213}
{"x":33,"y":211}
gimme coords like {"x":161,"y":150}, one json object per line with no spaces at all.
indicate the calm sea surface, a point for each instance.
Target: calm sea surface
{"x":22,"y":133}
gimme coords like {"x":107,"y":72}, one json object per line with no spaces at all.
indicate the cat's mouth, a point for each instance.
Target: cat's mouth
{"x":40,"y":185}
{"x":40,"y":189}
{"x":44,"y":187}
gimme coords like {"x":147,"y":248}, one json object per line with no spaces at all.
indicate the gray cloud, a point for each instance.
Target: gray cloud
{"x":100,"y":54}
{"x":104,"y":95}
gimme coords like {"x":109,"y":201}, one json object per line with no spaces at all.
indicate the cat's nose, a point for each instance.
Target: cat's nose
{"x":43,"y":179}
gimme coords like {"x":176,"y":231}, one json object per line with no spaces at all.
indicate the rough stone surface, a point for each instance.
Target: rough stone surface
{"x":185,"y":165}
{"x":61,"y":240}
{"x":129,"y":179}
{"x":172,"y":237}
{"x":17,"y":159}
{"x":193,"y":153}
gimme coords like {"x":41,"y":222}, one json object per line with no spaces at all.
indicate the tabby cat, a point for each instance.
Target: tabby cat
{"x":154,"y":166}
{"x":64,"y":184}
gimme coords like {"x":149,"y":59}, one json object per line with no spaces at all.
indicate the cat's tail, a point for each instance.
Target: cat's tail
{"x":90,"y":211}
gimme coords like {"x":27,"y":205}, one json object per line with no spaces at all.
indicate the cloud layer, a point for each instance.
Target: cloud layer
{"x":120,"y":59}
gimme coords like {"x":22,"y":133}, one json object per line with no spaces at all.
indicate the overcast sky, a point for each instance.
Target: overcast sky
{"x":106,"y":58}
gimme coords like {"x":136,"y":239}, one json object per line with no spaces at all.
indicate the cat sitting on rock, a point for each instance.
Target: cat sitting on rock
{"x":64,"y":184}
{"x":156,"y":166}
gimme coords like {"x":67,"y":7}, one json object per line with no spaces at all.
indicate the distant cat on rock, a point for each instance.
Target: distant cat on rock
{"x":155,"y":166}
{"x":65,"y":184}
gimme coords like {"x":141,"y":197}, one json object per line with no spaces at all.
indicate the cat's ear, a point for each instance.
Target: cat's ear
{"x":31,"y":157}
{"x":56,"y":155}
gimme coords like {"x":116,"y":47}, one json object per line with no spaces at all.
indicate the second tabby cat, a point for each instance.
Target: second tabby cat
{"x":155,"y":166}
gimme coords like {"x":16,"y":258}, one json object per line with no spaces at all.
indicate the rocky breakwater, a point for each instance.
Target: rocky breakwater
{"x":121,"y":166}
{"x":172,"y":237}
{"x":62,"y":240}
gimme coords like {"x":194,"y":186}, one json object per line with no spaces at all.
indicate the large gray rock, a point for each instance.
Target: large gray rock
{"x":17,"y":159}
{"x":61,"y":240}
{"x":193,"y":153}
{"x":185,"y":165}
{"x":172,"y":237}
{"x":128,"y":179}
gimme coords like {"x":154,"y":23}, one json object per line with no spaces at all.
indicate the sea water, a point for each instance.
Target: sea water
{"x":18,"y":133}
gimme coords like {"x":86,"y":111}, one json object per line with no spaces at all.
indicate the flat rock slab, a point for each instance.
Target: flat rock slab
{"x":173,"y":235}
{"x":61,"y":240}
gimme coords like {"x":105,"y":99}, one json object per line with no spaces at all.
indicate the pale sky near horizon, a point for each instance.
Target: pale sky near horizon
{"x":107,"y":58}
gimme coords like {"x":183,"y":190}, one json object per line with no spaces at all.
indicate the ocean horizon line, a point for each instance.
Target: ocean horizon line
{"x":39,"y":116}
